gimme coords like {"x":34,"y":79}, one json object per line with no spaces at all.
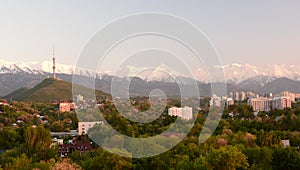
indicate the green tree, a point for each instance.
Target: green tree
{"x":19,"y":163}
{"x":184,"y":163}
{"x":267,"y":139}
{"x":57,"y":126}
{"x":9,"y":139}
{"x":259,"y":158}
{"x":227,"y":158}
{"x":37,"y":143}
{"x":44,"y":165}
{"x":286,"y":158}
{"x":100,"y":159}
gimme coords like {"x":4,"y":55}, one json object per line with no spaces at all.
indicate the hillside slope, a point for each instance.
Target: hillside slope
{"x":49,"y":90}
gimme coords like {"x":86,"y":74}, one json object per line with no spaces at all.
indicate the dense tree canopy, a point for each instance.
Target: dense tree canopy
{"x":241,"y":141}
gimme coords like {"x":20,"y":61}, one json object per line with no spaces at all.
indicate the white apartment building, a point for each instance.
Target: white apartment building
{"x":182,"y":112}
{"x":259,"y":104}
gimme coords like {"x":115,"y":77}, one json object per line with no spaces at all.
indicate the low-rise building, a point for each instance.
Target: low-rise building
{"x":56,"y":142}
{"x":4,"y":103}
{"x":286,"y":143}
{"x":65,"y":149}
{"x":66,"y":107}
{"x":78,"y":98}
{"x":83,"y":127}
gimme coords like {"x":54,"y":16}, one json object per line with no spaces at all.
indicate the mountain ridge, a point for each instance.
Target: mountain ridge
{"x":14,"y":76}
{"x":48,"y":90}
{"x":235,"y":72}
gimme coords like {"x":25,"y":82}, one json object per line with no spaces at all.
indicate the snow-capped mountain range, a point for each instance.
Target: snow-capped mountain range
{"x":33,"y":67}
{"x":240,"y":77}
{"x":240,"y":72}
{"x":235,"y":73}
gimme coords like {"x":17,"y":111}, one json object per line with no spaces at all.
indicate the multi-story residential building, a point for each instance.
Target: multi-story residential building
{"x":292,"y":96}
{"x":250,"y":94}
{"x":229,"y":102}
{"x":83,"y":127}
{"x":259,"y":104}
{"x":243,"y":96}
{"x":281,"y":102}
{"x":182,"y":112}
{"x":216,"y":101}
{"x":237,"y":96}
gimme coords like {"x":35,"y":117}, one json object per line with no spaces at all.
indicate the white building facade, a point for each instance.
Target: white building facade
{"x":182,"y":112}
{"x":259,"y":104}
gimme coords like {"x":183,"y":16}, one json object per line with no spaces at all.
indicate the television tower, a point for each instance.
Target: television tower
{"x":53,"y":67}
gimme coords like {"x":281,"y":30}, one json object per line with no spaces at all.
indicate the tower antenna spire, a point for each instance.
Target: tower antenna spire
{"x":53,"y":67}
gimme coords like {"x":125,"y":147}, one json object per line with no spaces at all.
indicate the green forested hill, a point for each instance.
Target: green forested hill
{"x":48,"y":90}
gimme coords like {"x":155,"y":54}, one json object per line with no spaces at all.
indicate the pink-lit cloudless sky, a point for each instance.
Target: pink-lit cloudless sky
{"x":254,"y":32}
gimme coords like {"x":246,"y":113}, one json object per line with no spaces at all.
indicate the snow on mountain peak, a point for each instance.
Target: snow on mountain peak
{"x":240,"y":72}
{"x":160,"y":73}
{"x":33,"y":67}
{"x":237,"y":65}
{"x":235,"y":72}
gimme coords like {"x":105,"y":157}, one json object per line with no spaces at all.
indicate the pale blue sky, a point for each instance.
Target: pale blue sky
{"x":255,"y":32}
